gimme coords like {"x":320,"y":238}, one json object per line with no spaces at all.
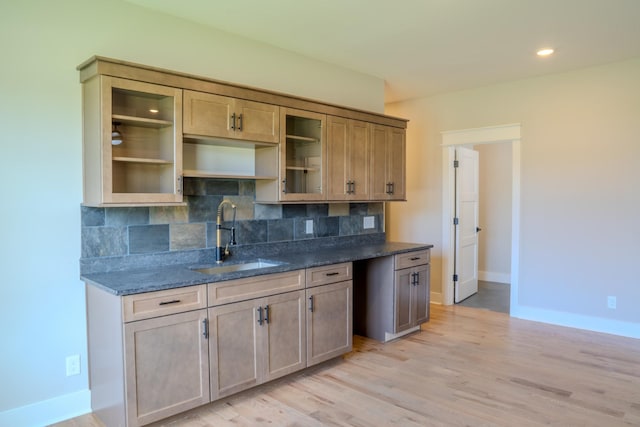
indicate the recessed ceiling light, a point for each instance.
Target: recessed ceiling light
{"x":545,"y":52}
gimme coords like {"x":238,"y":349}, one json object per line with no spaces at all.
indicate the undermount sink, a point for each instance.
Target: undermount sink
{"x":228,"y":268}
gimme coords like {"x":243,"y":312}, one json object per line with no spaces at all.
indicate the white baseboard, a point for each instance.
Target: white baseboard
{"x":48,"y":411}
{"x":595,"y":324}
{"x":436,"y":298}
{"x":492,"y":276}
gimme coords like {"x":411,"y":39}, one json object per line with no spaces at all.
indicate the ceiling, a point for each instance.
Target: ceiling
{"x":424,"y":47}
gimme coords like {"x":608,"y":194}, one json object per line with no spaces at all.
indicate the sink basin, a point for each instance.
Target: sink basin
{"x":228,"y":268}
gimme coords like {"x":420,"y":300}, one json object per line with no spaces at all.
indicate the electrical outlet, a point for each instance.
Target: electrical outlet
{"x":611,"y":302}
{"x":309,"y":226}
{"x":369,"y":222}
{"x":73,"y":365}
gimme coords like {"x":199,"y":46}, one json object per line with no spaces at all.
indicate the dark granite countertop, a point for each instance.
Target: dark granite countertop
{"x":130,"y":282}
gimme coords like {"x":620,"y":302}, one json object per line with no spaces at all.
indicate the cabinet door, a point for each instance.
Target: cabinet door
{"x":403,"y":311}
{"x":421,"y":295}
{"x":256,"y":121}
{"x":142,"y":165}
{"x":284,"y":335}
{"x":234,"y":339}
{"x":206,"y":114}
{"x":347,"y":159}
{"x":302,"y":155}
{"x":388,"y":159}
{"x":329,"y":321}
{"x":167,"y":366}
{"x":359,"y":147}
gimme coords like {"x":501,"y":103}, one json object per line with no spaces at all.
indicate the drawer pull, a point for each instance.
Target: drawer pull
{"x":415,"y":258}
{"x":266,"y":314}
{"x":311,"y":303}
{"x":333,"y":273}
{"x":174,"y":301}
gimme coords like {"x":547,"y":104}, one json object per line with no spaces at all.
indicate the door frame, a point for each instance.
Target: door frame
{"x":468,"y":137}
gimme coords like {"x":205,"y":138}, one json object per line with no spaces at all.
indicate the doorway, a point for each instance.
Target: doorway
{"x":470,"y":137}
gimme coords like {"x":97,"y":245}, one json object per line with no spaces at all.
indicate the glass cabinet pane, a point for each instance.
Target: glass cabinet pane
{"x":303,"y":155}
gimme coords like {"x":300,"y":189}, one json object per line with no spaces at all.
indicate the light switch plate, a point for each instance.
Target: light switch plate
{"x":369,"y":222}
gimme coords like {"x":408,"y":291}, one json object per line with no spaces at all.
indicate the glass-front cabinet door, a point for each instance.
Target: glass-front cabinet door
{"x":302,"y":155}
{"x":132,"y":143}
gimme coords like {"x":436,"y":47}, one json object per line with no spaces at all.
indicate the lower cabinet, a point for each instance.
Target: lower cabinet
{"x":255,"y":341}
{"x":162,"y":379}
{"x":329,"y":321}
{"x":156,"y":354}
{"x":411,"y":295}
{"x":393,"y":295}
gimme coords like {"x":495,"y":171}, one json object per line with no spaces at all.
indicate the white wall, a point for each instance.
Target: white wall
{"x":494,"y":241}
{"x":42,"y":306}
{"x":579,"y":197}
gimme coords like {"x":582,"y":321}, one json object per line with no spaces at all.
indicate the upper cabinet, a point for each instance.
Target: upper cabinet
{"x":348,"y":154}
{"x":215,"y":116}
{"x":388,"y":159}
{"x":146,"y":128}
{"x":132,"y":142}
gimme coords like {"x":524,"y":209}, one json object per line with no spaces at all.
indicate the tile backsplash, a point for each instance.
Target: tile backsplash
{"x":132,"y":231}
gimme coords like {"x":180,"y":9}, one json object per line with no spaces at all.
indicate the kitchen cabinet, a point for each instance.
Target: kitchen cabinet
{"x":329,"y":298}
{"x":388,"y":163}
{"x":348,"y":153}
{"x":148,"y":354}
{"x":167,"y":366}
{"x":132,"y":142}
{"x":302,"y":159}
{"x":216,"y":116}
{"x":394,"y":295}
{"x":256,"y":341}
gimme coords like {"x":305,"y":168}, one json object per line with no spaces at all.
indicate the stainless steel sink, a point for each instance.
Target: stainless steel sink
{"x":228,"y":268}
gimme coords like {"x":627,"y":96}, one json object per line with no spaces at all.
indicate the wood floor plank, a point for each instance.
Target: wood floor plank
{"x":466,"y":367}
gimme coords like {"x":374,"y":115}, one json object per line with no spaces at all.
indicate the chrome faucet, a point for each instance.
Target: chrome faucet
{"x":222,"y":253}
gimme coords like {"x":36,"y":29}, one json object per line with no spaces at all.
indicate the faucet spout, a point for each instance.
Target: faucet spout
{"x":222,"y":253}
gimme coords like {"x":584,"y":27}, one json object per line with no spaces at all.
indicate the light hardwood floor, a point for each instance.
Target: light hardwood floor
{"x":466,"y":367}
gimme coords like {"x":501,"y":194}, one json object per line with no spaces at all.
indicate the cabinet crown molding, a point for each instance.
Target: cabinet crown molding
{"x":99,"y":65}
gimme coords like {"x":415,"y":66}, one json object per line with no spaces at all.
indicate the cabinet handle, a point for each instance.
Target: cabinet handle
{"x":260,"y":319}
{"x":393,"y":187}
{"x":311,"y":303}
{"x":333,"y":273}
{"x":388,"y":188}
{"x":175,"y":301}
{"x":284,"y":186}
{"x":233,"y":121}
{"x":240,"y":122}
{"x":179,"y":189}
{"x":205,"y":328}
{"x":266,"y":314}
{"x":353,"y":187}
{"x":417,"y":279}
{"x":415,"y":258}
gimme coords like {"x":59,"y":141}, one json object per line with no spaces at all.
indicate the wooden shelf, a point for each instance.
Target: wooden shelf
{"x":140,"y":121}
{"x":223,"y":142}
{"x":142,"y":160}
{"x":203,"y":174}
{"x":302,"y":138}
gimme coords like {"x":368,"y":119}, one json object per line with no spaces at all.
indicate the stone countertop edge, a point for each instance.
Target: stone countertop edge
{"x":150,"y":279}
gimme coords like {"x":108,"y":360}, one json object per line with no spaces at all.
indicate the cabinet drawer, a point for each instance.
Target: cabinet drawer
{"x":161,"y":303}
{"x":328,"y":274}
{"x":411,"y":259}
{"x":254,"y":287}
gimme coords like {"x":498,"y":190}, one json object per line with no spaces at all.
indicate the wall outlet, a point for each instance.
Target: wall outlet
{"x":73,"y":365}
{"x":369,"y":222}
{"x":309,"y":226}
{"x":611,"y":302}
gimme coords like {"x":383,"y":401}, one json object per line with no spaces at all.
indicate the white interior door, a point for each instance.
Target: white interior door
{"x":466,"y":211}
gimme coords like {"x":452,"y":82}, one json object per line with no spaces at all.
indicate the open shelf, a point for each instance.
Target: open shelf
{"x":302,"y":138}
{"x":140,"y":121}
{"x":201,"y":174}
{"x":142,"y":160}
